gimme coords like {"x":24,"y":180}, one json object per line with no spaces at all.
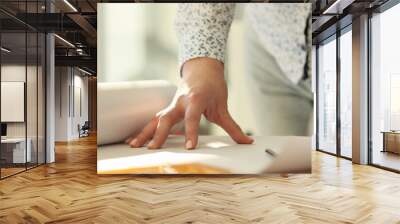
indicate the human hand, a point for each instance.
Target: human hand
{"x":203,"y":92}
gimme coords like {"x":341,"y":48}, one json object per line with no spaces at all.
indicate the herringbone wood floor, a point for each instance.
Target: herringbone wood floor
{"x":70,"y":191}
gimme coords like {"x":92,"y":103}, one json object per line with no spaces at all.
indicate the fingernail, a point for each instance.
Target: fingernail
{"x":189,"y":144}
{"x":134,"y":142}
{"x":251,"y":139}
{"x":151,"y":145}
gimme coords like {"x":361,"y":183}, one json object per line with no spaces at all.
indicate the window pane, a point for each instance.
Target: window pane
{"x":14,"y":153}
{"x":327,"y":96}
{"x":386,"y":89}
{"x":346,"y":94}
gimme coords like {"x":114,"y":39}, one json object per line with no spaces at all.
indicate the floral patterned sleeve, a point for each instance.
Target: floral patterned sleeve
{"x":202,"y":30}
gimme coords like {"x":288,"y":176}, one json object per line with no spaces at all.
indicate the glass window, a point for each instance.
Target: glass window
{"x":346,"y":93}
{"x":14,"y":151}
{"x":385,"y":89}
{"x":327,"y":96}
{"x":22,"y":92}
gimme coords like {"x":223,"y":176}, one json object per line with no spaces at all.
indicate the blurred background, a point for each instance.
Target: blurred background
{"x":138,"y":42}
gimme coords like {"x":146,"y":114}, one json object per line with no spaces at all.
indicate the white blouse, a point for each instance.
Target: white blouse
{"x":202,"y":30}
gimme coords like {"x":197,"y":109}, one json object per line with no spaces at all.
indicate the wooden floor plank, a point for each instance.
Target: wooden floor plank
{"x":70,"y":191}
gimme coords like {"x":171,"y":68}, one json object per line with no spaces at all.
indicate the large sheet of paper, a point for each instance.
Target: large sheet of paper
{"x":214,"y":155}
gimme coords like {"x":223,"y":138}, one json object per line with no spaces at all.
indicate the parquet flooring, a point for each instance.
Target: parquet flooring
{"x":70,"y":191}
{"x":7,"y":171}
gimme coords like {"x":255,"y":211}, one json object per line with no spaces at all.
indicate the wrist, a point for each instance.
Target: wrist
{"x":203,"y":66}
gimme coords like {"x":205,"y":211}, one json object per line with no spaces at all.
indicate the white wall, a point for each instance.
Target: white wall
{"x":16,"y":73}
{"x":34,"y":126}
{"x":69,"y":82}
{"x":82,"y":82}
{"x":61,"y":103}
{"x":120,"y":41}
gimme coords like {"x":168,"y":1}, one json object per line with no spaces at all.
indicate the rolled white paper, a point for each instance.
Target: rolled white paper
{"x":124,"y":108}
